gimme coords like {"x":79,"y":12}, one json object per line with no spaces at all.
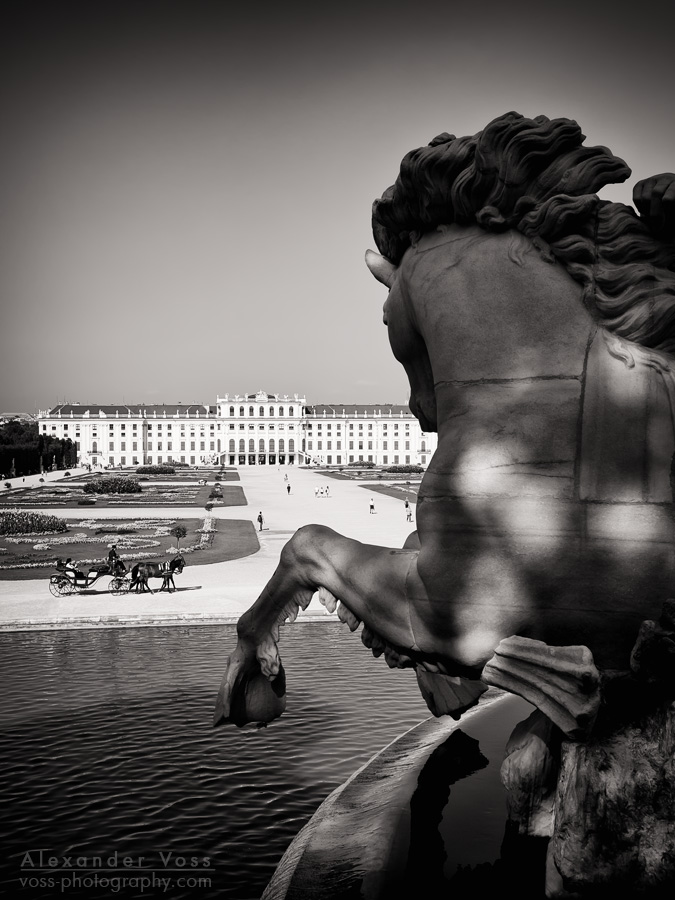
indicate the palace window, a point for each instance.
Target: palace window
{"x":241,"y":410}
{"x":232,"y":410}
{"x":281,"y":410}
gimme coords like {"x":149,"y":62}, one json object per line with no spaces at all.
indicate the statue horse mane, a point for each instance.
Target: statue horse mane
{"x":535,"y":176}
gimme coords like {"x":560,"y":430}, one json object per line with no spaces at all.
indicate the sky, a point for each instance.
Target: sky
{"x":187,"y":187}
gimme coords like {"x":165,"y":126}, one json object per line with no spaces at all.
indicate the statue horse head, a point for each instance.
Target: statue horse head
{"x":535,"y":323}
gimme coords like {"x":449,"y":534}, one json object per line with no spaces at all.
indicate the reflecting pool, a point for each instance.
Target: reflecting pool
{"x":109,"y":756}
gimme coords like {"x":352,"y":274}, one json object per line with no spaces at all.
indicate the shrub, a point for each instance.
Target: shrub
{"x":86,"y":501}
{"x":155,"y":470}
{"x":66,"y":474}
{"x":113,"y":484}
{"x":362,"y":464}
{"x":8,"y":484}
{"x":209,"y":506}
{"x":178,"y":531}
{"x":415,"y":469}
{"x":30,"y":523}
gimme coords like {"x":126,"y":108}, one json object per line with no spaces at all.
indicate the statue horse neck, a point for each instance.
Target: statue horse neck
{"x":529,"y":393}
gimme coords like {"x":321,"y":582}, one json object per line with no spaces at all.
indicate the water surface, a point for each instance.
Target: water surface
{"x":108,"y":752}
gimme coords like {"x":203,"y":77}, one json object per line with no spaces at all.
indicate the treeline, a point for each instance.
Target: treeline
{"x":25,"y":451}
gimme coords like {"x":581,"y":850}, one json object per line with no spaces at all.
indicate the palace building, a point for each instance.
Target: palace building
{"x":258,"y":429}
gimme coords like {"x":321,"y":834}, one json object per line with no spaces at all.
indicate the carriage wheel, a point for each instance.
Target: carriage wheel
{"x":119,"y":585}
{"x":60,"y":585}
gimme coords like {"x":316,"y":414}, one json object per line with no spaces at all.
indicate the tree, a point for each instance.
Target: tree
{"x":178,"y":531}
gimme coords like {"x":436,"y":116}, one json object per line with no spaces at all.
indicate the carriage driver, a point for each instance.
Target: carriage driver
{"x":113,"y":558}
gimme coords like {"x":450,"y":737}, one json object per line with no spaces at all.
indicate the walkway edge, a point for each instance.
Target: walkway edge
{"x":141,"y":622}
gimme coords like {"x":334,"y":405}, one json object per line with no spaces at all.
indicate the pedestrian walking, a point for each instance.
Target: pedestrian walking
{"x":316,"y":492}
{"x":408,"y":511}
{"x":260,"y":521}
{"x":288,"y":488}
{"x":327,"y":491}
{"x":372,"y":506}
{"x":320,"y":492}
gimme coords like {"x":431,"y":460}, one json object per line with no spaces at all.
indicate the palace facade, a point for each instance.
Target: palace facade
{"x":240,"y":430}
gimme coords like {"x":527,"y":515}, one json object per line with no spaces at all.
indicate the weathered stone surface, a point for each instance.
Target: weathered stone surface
{"x":615,"y":808}
{"x":653,"y":656}
{"x":530,"y":774}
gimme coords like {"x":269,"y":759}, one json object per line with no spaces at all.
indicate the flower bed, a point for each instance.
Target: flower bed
{"x":30,"y":523}
{"x":113,"y":484}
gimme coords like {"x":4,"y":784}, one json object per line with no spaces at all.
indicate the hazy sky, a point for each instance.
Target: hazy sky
{"x":187,"y":188}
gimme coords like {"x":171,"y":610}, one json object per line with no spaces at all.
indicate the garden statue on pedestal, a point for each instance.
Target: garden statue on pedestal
{"x":536,"y":324}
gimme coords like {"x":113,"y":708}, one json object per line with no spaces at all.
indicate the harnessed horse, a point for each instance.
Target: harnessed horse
{"x":142,"y":572}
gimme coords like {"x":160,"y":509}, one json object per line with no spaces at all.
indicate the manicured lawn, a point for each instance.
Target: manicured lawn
{"x":63,"y":495}
{"x":138,"y":539}
{"x":180,"y":475}
{"x":400,"y":491}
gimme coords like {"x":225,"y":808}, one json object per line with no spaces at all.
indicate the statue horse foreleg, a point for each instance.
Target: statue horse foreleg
{"x":376,"y":586}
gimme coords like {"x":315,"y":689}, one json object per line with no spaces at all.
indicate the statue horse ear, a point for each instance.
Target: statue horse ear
{"x":383,"y":269}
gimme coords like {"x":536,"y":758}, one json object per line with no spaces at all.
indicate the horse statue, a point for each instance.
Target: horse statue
{"x":536,"y":325}
{"x":142,"y":572}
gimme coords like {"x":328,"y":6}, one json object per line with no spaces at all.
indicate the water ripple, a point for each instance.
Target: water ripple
{"x":108,"y":747}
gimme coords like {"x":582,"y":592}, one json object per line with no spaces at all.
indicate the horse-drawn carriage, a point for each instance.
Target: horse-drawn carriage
{"x":67,"y":581}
